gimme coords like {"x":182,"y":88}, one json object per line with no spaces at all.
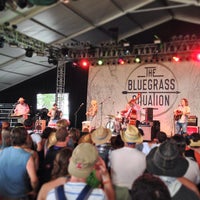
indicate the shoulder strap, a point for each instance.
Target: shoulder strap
{"x":60,"y":194}
{"x":85,"y":193}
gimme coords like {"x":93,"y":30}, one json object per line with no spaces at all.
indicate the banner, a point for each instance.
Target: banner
{"x":162,"y":86}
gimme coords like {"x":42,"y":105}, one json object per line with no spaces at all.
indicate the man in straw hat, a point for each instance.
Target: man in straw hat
{"x":101,"y":138}
{"x":83,"y":162}
{"x":127,"y":163}
{"x":21,"y":110}
{"x":166,"y":162}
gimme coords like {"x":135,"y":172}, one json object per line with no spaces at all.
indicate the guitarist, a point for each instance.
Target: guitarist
{"x":181,"y":117}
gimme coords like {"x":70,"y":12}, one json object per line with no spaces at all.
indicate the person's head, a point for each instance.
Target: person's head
{"x":116,"y":142}
{"x":21,"y":100}
{"x":166,"y":160}
{"x":149,"y":187}
{"x":62,"y":123}
{"x":55,"y":105}
{"x":61,"y":162}
{"x":18,"y":136}
{"x":83,"y":160}
{"x":184,"y":102}
{"x":5,"y":124}
{"x":61,"y":134}
{"x":131,"y":135}
{"x":101,"y":135}
{"x":161,"y":136}
{"x":194,"y":140}
{"x":6,"y":137}
{"x":181,"y":142}
{"x":28,"y":123}
{"x":94,"y":102}
{"x":47,"y":131}
{"x":75,"y":134}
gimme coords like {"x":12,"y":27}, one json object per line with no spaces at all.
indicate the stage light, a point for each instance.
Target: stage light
{"x":100,"y":62}
{"x":2,"y":4}
{"x":84,"y":63}
{"x":1,"y":42}
{"x":137,"y":60}
{"x":22,"y":3}
{"x":52,"y":60}
{"x":29,"y":52}
{"x":176,"y":58}
{"x":198,"y":56}
{"x":121,"y":61}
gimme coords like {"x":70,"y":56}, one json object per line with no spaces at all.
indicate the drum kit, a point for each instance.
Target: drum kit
{"x":119,"y":122}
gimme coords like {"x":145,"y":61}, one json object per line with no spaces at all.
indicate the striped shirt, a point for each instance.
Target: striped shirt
{"x":72,"y":191}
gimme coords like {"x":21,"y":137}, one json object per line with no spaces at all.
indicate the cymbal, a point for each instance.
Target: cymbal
{"x":110,"y":116}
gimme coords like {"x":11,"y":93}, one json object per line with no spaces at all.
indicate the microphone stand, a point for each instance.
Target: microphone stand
{"x":101,"y":108}
{"x":75,"y":123}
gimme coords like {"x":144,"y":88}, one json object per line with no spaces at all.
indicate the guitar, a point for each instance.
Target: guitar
{"x":177,"y":115}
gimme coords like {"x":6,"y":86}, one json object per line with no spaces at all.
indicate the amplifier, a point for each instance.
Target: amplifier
{"x":192,"y":129}
{"x":192,"y":121}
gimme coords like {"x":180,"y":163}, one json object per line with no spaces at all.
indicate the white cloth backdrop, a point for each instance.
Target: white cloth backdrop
{"x":162,"y":86}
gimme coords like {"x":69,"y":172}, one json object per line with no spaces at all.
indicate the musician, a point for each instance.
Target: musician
{"x":54,"y":113}
{"x":21,"y":110}
{"x":92,"y":113}
{"x":181,"y":117}
{"x":133,"y":111}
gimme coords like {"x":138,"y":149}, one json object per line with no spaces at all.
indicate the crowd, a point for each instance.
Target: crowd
{"x":65,"y":163}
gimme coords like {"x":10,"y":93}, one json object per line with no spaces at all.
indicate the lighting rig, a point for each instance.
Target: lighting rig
{"x":179,"y":48}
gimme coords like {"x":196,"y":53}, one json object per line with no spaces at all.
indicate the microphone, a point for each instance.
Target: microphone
{"x":82,"y":105}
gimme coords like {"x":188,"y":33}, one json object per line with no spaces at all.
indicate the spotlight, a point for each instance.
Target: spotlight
{"x":121,"y":61}
{"x":1,"y":42}
{"x":52,"y":60}
{"x":29,"y":52}
{"x":2,"y":4}
{"x":22,"y":3}
{"x":176,"y":58}
{"x":137,"y":60}
{"x":84,"y":63}
{"x":100,"y":62}
{"x":198,"y":56}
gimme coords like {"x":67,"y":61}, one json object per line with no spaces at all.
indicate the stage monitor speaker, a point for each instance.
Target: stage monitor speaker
{"x":147,"y":132}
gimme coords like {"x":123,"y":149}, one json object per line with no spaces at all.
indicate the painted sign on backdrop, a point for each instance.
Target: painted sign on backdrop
{"x":156,"y":83}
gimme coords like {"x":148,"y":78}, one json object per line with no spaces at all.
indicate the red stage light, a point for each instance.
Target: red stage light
{"x":198,"y":56}
{"x":84,"y":63}
{"x":121,"y":61}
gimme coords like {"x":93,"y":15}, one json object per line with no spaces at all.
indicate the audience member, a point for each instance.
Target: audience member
{"x":193,"y":172}
{"x":36,"y":138}
{"x":6,"y":137}
{"x":74,"y":136}
{"x":59,"y":173}
{"x":127,"y":163}
{"x":116,"y":142}
{"x":101,"y":138}
{"x":61,"y":142}
{"x":82,"y":164}
{"x":149,"y":187}
{"x":17,"y":168}
{"x":166,"y":162}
